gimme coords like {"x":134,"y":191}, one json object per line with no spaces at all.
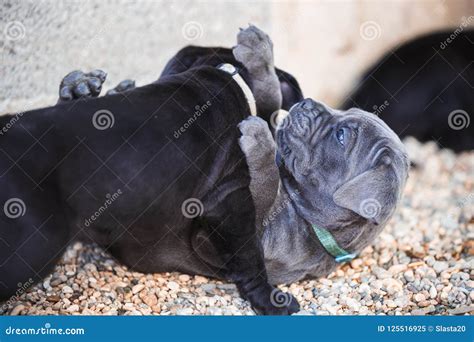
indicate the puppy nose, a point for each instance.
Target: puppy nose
{"x":308,"y":104}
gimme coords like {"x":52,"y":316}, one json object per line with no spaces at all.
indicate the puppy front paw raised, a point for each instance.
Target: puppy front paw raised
{"x":78,"y":84}
{"x":254,"y":49}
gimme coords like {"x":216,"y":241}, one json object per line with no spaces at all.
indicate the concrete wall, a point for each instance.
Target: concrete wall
{"x":326,"y":44}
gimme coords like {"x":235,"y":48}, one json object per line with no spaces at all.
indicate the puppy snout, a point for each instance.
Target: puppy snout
{"x":308,"y":104}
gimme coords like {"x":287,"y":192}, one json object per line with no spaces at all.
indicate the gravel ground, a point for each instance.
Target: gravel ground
{"x":423,"y":263}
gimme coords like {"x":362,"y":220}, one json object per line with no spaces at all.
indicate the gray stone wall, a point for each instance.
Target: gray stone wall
{"x":325,"y":44}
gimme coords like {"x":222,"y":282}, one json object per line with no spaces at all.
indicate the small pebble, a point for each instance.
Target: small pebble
{"x":67,"y":289}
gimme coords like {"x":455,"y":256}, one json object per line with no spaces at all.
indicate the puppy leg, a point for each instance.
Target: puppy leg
{"x":77,"y":85}
{"x":123,"y":86}
{"x":259,"y":148}
{"x":33,"y":236}
{"x":255,"y":51}
{"x":236,"y":241}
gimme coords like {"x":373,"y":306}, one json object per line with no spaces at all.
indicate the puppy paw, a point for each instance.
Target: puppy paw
{"x":256,"y":128}
{"x":254,"y":49}
{"x":257,"y":142}
{"x":271,"y":301}
{"x":123,"y":86}
{"x":78,"y":84}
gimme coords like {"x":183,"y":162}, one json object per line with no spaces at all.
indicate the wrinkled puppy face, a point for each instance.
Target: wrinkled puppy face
{"x":348,"y":169}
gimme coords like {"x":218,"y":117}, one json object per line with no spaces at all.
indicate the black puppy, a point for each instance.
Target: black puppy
{"x":424,"y":89}
{"x":111,"y":170}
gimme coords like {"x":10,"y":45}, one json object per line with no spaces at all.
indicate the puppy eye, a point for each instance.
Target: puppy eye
{"x":341,"y":135}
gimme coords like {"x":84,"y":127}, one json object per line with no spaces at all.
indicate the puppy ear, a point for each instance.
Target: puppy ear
{"x":372,"y":194}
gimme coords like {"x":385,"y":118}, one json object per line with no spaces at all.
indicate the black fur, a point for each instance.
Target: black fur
{"x":416,"y":87}
{"x":192,"y":56}
{"x":70,"y":168}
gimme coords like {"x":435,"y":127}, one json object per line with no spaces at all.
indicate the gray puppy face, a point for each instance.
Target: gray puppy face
{"x":348,"y":169}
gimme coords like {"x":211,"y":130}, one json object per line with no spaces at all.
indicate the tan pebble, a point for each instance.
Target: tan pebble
{"x":150,"y":299}
{"x":128,"y":306}
{"x":308,"y":295}
{"x":156,"y":309}
{"x":200,"y":280}
{"x":424,"y":303}
{"x":184,"y":277}
{"x":17,"y":310}
{"x":67,"y":289}
{"x":173,"y":285}
{"x":137,"y":288}
{"x":384,"y":258}
{"x":73,"y":308}
{"x":392,"y":285}
{"x":395,"y":269}
{"x":356,"y":263}
{"x":419,"y":297}
{"x":416,"y":264}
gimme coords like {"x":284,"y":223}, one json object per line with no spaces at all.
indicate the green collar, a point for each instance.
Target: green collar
{"x":331,"y":246}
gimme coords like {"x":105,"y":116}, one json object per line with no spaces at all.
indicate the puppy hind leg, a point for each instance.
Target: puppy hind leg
{"x":123,"y":86}
{"x":238,"y":244}
{"x":30,"y":245}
